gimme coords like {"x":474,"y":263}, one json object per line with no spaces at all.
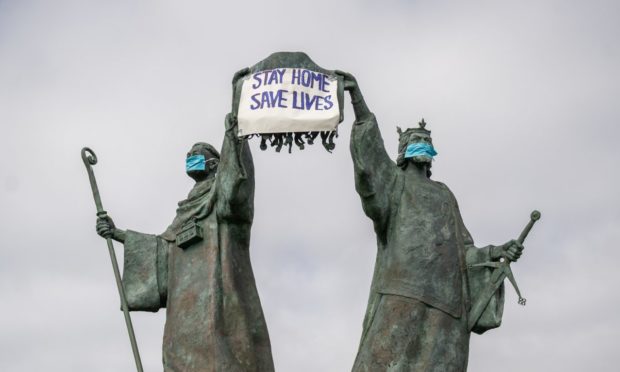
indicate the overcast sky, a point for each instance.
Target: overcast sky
{"x":522,"y":98}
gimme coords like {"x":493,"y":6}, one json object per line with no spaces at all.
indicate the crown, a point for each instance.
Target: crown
{"x":421,"y":129}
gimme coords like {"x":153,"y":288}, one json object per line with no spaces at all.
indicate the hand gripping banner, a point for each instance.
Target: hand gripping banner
{"x":288,"y":99}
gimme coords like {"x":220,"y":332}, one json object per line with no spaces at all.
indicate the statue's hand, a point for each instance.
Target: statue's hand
{"x":510,"y":250}
{"x":360,"y":108}
{"x":231,"y":121}
{"x":105,"y":227}
{"x":240,"y":74}
{"x":350,"y":83}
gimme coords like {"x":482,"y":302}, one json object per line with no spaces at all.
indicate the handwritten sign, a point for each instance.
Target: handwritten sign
{"x":288,"y":100}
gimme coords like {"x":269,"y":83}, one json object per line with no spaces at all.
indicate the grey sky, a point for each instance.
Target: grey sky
{"x":521,"y":96}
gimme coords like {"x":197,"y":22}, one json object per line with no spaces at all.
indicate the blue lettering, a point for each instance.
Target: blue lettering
{"x":306,"y":78}
{"x":305,"y":101}
{"x":310,"y":101}
{"x":281,"y":98}
{"x":318,"y":78}
{"x":256,"y":101}
{"x":258,"y":83}
{"x":325,"y":84}
{"x":319,"y":103}
{"x":328,"y":102}
{"x":266,"y":73}
{"x":295,"y":105}
{"x":265,"y":99}
{"x":280,"y":73}
{"x":273,"y":78}
{"x":269,"y":99}
{"x":295,"y":76}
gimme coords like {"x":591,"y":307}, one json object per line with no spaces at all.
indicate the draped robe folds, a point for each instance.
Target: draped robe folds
{"x":214,"y":319}
{"x":416,"y":318}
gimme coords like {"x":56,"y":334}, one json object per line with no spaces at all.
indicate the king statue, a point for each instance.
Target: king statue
{"x":421,"y":291}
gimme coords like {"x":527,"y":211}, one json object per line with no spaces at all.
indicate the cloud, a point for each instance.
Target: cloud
{"x":520,"y":98}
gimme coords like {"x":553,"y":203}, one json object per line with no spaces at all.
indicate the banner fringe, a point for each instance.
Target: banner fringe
{"x":279,"y":140}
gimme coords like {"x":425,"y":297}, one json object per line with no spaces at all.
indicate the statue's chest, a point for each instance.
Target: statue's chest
{"x":424,"y":200}
{"x":424,"y":212}
{"x":195,"y":250}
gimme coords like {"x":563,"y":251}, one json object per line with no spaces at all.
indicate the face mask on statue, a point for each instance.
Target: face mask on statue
{"x":195,"y":163}
{"x":420,"y":149}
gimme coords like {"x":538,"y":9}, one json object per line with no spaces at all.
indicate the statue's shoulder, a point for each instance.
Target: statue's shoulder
{"x":440,"y":184}
{"x":444,"y":187}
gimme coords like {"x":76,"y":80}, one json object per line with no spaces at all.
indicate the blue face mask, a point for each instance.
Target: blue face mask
{"x":420,"y":149}
{"x":195,"y":163}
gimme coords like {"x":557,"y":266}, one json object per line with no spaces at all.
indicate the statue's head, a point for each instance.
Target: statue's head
{"x":415,"y":145}
{"x":202,"y":161}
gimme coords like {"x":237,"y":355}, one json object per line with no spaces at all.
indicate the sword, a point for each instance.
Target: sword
{"x":90,"y":159}
{"x":502,"y":271}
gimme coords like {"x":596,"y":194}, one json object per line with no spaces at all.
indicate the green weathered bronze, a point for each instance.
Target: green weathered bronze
{"x":89,"y":158}
{"x":501,"y":271}
{"x":199,"y":269}
{"x":422,"y":289}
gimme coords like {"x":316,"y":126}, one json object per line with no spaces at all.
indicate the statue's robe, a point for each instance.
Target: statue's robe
{"x":214,"y":319}
{"x":416,"y":318}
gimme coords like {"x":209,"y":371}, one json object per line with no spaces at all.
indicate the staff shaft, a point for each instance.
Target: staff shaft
{"x":90,"y":159}
{"x":121,"y":293}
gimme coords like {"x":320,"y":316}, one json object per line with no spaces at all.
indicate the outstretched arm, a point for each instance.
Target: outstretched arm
{"x":510,"y":250}
{"x":145,"y":269}
{"x":375,"y":172}
{"x":235,"y":176}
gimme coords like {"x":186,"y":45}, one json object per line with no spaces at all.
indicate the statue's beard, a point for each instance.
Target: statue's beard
{"x":198,"y":175}
{"x":421,"y":159}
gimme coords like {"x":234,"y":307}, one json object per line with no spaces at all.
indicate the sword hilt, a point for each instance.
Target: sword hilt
{"x":534,"y":216}
{"x":502,"y":271}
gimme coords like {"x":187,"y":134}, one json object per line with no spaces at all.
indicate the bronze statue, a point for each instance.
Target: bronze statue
{"x":431,"y":286}
{"x":417,"y":315}
{"x":199,"y":268}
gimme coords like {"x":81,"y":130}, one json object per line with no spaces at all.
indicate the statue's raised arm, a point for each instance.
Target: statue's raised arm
{"x":235,"y":177}
{"x":374,"y":171}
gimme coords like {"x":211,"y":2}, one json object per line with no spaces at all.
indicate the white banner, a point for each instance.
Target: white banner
{"x":288,"y":100}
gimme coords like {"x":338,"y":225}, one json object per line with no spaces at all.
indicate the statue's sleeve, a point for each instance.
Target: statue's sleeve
{"x":235,"y":180}
{"x":473,"y":255}
{"x":479,"y":278}
{"x":375,"y":172}
{"x":145,"y":272}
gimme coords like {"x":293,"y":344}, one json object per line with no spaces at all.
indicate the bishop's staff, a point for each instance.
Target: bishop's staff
{"x":90,"y":159}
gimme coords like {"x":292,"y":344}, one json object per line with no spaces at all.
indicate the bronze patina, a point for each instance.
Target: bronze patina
{"x":89,"y":158}
{"x":422,"y":289}
{"x":199,"y":268}
{"x":431,"y":285}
